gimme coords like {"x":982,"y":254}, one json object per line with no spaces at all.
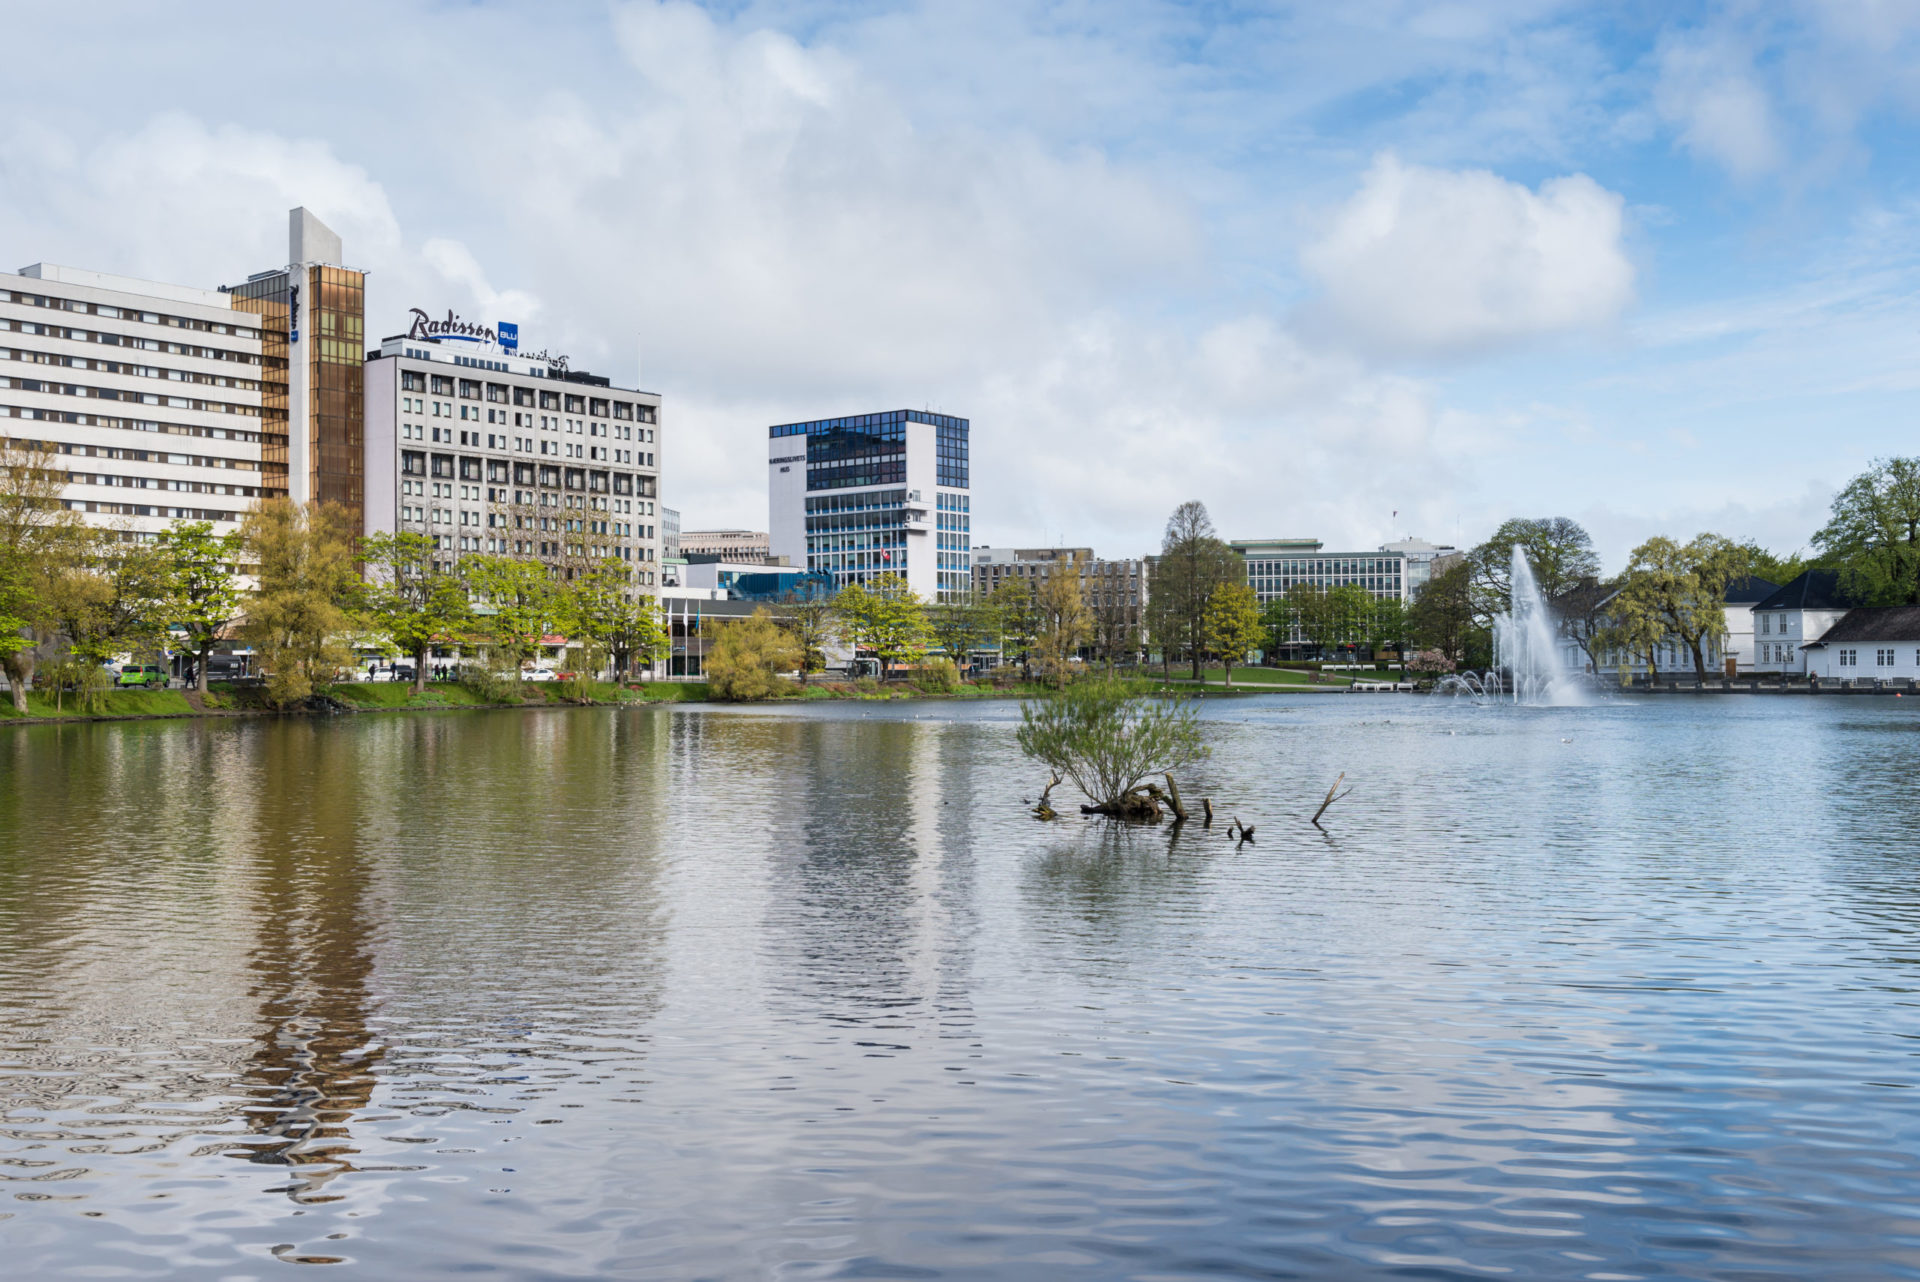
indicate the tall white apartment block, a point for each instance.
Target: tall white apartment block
{"x":490,"y":451}
{"x":871,"y":494}
{"x":149,"y":394}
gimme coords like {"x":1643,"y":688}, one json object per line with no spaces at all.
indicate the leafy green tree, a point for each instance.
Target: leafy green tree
{"x":203,"y":597}
{"x":1780,"y":570}
{"x":1015,"y":616}
{"x":305,"y":588}
{"x":1063,"y":621}
{"x":958,"y":625}
{"x":613,"y":619}
{"x":814,"y":620}
{"x":1678,"y":590}
{"x":748,"y":656}
{"x":1442,"y":617}
{"x":410,"y":598}
{"x":516,"y":604}
{"x":109,"y":595}
{"x":1559,"y":549}
{"x":886,"y":617}
{"x":35,"y":528}
{"x":1387,"y":625}
{"x":1233,"y":625}
{"x":1194,"y":563}
{"x":1873,"y":535}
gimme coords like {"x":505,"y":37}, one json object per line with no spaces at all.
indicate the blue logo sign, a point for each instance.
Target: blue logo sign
{"x":509,"y":335}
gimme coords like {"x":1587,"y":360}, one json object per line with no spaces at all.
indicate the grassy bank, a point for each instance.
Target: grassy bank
{"x":119,"y":703}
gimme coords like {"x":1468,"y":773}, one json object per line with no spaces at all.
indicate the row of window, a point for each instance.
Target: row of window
{"x":146,"y":509}
{"x":1882,"y":658}
{"x":110,"y":312}
{"x":115,"y":394}
{"x":155,"y":483}
{"x":525,"y":397}
{"x":24,"y":356}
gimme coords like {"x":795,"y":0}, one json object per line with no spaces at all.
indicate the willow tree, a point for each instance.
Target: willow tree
{"x":305,"y":588}
{"x":1678,"y":590}
{"x":35,"y":526}
{"x":1106,"y":741}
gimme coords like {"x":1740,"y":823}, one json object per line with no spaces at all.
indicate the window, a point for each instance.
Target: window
{"x":1883,"y":658}
{"x":1849,"y":658}
{"x":1766,"y":624}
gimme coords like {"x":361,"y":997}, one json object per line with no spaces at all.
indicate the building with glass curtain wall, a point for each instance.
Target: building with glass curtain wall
{"x":312,"y":318}
{"x":871,"y":494}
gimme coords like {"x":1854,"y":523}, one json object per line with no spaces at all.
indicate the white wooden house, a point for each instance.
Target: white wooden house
{"x":1873,"y":641}
{"x":1794,"y":617}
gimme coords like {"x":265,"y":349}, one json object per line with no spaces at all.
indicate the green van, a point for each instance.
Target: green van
{"x":149,"y":674}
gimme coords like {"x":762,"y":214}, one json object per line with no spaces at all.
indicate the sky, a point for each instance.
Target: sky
{"x":1349,"y":271}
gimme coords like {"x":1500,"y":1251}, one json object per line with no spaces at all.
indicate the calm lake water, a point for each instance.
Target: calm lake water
{"x":1607,"y":993}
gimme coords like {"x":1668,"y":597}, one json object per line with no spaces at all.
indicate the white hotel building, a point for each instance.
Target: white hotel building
{"x":148,"y":393}
{"x":490,"y":451}
{"x":858,"y":497}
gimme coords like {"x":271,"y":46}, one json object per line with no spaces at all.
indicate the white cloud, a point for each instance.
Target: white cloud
{"x":1709,"y":90}
{"x":1432,"y":262}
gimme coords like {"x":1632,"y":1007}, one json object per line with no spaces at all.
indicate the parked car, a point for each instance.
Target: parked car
{"x":538,"y":674}
{"x":143,"y":674}
{"x":396,"y":672}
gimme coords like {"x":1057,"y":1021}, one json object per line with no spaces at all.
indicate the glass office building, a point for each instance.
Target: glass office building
{"x":866,"y":495}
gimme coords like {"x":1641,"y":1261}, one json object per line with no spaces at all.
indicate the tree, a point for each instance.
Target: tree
{"x":1106,"y":740}
{"x":1678,"y":590}
{"x":1874,"y":533}
{"x":1584,"y":614}
{"x":410,"y":598}
{"x":108,"y":594}
{"x":1442,"y":616}
{"x":305,"y":586}
{"x":1015,"y":615}
{"x":886,"y":617}
{"x":1329,"y":617}
{"x":1193,"y":564}
{"x":202,"y":597}
{"x":1780,"y":570}
{"x":1063,"y":621}
{"x":958,"y":625}
{"x":34,"y":525}
{"x":1387,"y":625}
{"x":1233,"y":625}
{"x":748,"y":656}
{"x":1559,"y":550}
{"x":516,"y":603}
{"x":616,"y":621}
{"x":813,"y":620}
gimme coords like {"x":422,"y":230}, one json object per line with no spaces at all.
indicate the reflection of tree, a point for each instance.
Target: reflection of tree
{"x":313,"y":1066}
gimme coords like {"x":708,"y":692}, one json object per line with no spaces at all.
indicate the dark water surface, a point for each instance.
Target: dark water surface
{"x":1609,"y":993}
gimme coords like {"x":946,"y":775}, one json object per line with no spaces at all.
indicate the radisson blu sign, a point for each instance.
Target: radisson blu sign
{"x":504,"y":335}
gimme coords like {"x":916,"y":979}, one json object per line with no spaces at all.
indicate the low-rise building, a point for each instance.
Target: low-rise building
{"x":734,"y":545}
{"x":1868,"y":642}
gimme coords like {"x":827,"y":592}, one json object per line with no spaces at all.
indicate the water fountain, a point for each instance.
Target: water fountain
{"x":1528,"y":667}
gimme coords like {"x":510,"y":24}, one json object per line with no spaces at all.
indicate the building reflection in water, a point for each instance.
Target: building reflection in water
{"x":311,"y":964}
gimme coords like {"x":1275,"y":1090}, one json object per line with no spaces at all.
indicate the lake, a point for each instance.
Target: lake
{"x":692,"y":992}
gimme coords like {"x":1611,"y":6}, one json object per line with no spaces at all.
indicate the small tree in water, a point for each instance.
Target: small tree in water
{"x":1106,"y":740}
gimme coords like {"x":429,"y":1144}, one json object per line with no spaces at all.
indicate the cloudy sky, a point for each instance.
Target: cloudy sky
{"x":1652,"y":266}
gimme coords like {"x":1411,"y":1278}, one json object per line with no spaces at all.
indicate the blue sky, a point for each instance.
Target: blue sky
{"x":1652,"y":266}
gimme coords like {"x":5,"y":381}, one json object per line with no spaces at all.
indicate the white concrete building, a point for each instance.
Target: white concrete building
{"x":491,"y":451}
{"x":745,"y":545}
{"x":874,"y":494}
{"x":1790,"y":618}
{"x":1871,"y":642}
{"x":150,"y":395}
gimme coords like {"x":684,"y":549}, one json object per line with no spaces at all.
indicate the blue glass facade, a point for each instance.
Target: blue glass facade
{"x":862,"y":518}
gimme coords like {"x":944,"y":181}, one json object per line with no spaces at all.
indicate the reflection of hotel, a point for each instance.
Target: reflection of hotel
{"x":490,"y":451}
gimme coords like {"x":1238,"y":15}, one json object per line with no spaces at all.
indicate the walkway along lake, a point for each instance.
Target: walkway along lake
{"x":1625,"y":991}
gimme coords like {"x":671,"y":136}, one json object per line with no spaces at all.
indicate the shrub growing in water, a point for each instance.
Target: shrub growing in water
{"x":1105,"y":738}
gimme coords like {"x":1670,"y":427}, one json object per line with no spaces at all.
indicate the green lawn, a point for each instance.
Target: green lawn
{"x":120,"y":703}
